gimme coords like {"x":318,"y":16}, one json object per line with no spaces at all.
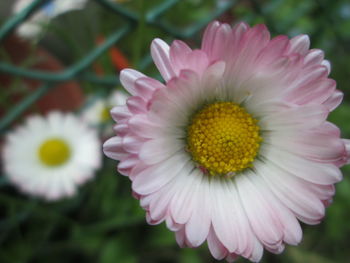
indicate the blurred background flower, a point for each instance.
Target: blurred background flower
{"x":70,"y":64}
{"x":36,"y":23}
{"x":48,"y":157}
{"x":97,"y":111}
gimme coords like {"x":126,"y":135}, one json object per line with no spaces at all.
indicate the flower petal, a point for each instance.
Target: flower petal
{"x":260,"y":213}
{"x":113,"y":148}
{"x":154,"y":177}
{"x":315,"y":172}
{"x":128,"y":77}
{"x":156,"y":150}
{"x":293,"y":194}
{"x":160,"y":55}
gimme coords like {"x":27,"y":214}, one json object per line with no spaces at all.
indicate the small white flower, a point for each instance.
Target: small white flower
{"x":98,"y":112}
{"x":34,"y":25}
{"x":49,"y":157}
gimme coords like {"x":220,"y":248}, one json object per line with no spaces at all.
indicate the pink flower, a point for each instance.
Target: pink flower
{"x":235,"y":146}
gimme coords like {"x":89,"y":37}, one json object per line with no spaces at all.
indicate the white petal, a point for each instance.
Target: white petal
{"x":306,"y":206}
{"x":295,"y":118}
{"x":156,"y":176}
{"x":315,"y":172}
{"x":157,"y":150}
{"x":215,"y":246}
{"x":259,"y":212}
{"x":197,"y":228}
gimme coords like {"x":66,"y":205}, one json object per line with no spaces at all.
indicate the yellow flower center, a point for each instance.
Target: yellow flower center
{"x":105,"y":115}
{"x":223,"y":138}
{"x":54,"y":152}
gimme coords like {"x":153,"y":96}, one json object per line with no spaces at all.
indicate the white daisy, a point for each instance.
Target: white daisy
{"x":97,"y":113}
{"x":49,"y":157}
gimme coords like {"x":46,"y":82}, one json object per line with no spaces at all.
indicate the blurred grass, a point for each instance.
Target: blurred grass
{"x":103,"y":223}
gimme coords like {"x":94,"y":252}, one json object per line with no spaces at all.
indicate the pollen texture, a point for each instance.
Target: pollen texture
{"x":54,"y":152}
{"x":223,"y":138}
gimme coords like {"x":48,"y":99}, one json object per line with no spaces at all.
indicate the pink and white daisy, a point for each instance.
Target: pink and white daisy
{"x":49,"y":157}
{"x":234,"y":148}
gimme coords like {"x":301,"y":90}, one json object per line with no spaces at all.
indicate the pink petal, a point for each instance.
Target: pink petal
{"x":160,"y":55}
{"x":179,"y":52}
{"x":125,"y":165}
{"x":132,"y":144}
{"x":314,"y":57}
{"x":152,"y":221}
{"x":334,"y":100}
{"x":121,"y":129}
{"x":128,"y":77}
{"x":330,"y":129}
{"x":317,"y":92}
{"x":209,"y":36}
{"x":197,"y":61}
{"x":172,"y":106}
{"x":216,"y":41}
{"x":181,"y":237}
{"x":136,"y":105}
{"x":120,"y":114}
{"x":241,"y":64}
{"x":323,"y":192}
{"x":113,"y":148}
{"x":347,"y":147}
{"x":326,"y":64}
{"x":173,"y":226}
{"x":310,"y":75}
{"x":143,"y":127}
{"x":145,"y":87}
{"x":273,"y":50}
{"x":300,"y":44}
{"x":238,"y":31}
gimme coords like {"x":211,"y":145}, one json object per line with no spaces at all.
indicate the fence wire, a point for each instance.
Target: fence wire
{"x":80,"y":69}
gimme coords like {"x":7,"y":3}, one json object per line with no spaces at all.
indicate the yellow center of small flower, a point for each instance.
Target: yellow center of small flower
{"x":223,"y":138}
{"x":105,"y":115}
{"x":54,"y":152}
